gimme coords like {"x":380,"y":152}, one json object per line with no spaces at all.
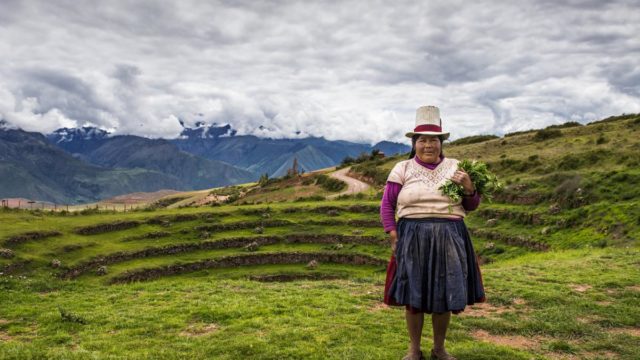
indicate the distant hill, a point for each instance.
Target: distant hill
{"x":30,"y":167}
{"x":130,"y":152}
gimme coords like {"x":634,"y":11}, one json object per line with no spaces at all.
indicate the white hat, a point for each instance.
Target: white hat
{"x":428,"y":122}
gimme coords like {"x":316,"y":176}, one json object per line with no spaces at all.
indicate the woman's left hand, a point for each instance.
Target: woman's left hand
{"x":460,"y":177}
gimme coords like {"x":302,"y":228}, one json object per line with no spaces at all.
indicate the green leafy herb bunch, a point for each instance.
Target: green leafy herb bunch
{"x":485,"y":182}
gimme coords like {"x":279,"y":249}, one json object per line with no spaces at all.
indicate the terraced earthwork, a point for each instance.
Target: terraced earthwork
{"x":304,"y":279}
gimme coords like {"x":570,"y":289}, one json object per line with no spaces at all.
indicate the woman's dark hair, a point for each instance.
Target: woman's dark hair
{"x":414,"y":138}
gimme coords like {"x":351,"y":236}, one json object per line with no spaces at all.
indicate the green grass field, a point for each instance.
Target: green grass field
{"x":561,"y":267}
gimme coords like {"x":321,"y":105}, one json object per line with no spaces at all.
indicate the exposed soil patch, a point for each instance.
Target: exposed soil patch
{"x":580,"y":287}
{"x":627,"y":331}
{"x":247,"y":260}
{"x":583,"y":355}
{"x":485,"y":310}
{"x":139,"y":197}
{"x":106,"y":227}
{"x":590,"y":319}
{"x":199,"y":330}
{"x":633,"y":288}
{"x":4,"y":336}
{"x":354,"y":186}
{"x":519,"y":301}
{"x":32,"y":235}
{"x":514,"y":341}
{"x":292,"y":277}
{"x":379,"y":306}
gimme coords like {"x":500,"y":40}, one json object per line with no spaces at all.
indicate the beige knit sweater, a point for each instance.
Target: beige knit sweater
{"x":420,"y":196}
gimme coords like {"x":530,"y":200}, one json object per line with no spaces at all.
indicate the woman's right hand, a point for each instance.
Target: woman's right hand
{"x":393,"y":237}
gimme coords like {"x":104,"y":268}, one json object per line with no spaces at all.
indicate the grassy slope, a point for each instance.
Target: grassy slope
{"x":578,"y":300}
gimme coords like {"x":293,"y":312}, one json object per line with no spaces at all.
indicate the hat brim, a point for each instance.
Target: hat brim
{"x":444,"y":135}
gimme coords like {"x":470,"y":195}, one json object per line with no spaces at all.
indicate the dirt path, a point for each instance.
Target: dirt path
{"x":354,"y":186}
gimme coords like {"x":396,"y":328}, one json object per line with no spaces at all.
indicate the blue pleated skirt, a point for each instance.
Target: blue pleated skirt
{"x":434,"y":268}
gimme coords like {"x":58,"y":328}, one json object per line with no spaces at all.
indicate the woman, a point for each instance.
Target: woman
{"x":433,"y":268}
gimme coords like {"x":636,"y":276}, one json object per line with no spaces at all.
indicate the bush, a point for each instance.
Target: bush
{"x":371,"y":171}
{"x":374,"y":155}
{"x":615,"y":118}
{"x":546,"y":134}
{"x":518,"y":133}
{"x":601,"y":140}
{"x":565,"y":125}
{"x":329,"y":183}
{"x":68,"y":316}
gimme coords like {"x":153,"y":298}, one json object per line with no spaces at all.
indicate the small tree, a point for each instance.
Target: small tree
{"x":264,"y":179}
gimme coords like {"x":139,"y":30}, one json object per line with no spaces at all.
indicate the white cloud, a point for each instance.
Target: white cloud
{"x":348,"y":70}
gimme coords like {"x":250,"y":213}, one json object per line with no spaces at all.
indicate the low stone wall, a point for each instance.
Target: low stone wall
{"x":244,"y":225}
{"x":28,"y":236}
{"x":360,"y":209}
{"x":14,"y":267}
{"x":106,"y":227}
{"x":151,"y":235}
{"x":162,"y":219}
{"x":247,"y":260}
{"x":352,"y":223}
{"x":240,"y":242}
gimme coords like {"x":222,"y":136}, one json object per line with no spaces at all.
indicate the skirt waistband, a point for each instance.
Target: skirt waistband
{"x":429,"y":220}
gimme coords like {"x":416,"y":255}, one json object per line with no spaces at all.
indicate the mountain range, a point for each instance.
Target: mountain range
{"x":88,"y":164}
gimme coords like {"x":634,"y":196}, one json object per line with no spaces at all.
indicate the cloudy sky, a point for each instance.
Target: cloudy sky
{"x":350,"y":70}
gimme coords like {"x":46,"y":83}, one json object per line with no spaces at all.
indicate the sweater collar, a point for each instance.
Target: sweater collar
{"x":427,"y":165}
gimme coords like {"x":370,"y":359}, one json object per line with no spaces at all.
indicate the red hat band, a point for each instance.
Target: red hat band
{"x":432,"y":128}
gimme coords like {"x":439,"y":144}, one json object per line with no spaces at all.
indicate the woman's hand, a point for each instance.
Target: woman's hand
{"x":460,"y":177}
{"x":393,"y":237}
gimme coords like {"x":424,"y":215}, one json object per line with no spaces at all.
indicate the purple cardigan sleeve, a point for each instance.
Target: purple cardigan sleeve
{"x":470,"y":203}
{"x":388,"y":205}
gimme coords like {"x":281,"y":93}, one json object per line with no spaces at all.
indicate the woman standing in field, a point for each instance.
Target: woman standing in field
{"x":433,"y":268}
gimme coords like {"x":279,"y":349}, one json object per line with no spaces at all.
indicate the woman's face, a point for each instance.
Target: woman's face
{"x":428,"y":148}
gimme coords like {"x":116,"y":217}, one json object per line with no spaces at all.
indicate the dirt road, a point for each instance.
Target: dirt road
{"x":354,"y":186}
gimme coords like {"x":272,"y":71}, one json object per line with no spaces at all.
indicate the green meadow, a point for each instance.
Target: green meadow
{"x":286,"y":279}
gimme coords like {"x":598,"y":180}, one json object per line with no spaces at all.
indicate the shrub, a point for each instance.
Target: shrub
{"x":546,"y":134}
{"x":565,"y":125}
{"x":68,"y":316}
{"x":601,"y":140}
{"x":329,"y":183}
{"x":614,"y":118}
{"x":371,"y":171}
{"x":518,"y":133}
